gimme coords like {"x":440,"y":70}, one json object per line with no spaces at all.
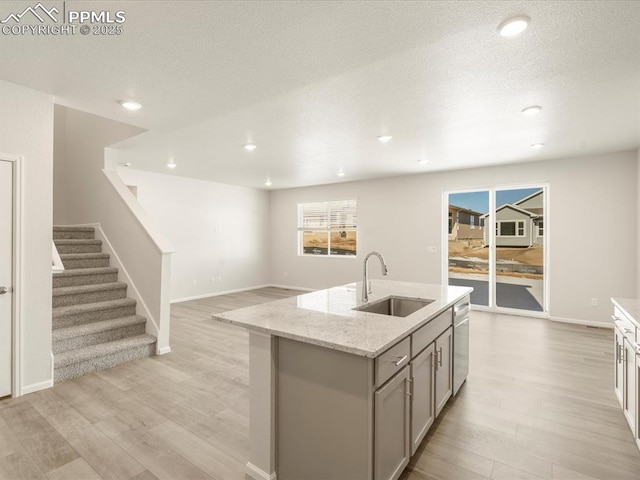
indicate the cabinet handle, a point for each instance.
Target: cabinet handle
{"x":410,"y":388}
{"x":397,"y":364}
{"x":440,"y":357}
{"x":434,"y":364}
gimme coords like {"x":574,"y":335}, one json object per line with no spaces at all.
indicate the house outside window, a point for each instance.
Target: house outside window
{"x":510,"y":229}
{"x":327,"y":228}
{"x":450,"y":223}
{"x":541,"y":228}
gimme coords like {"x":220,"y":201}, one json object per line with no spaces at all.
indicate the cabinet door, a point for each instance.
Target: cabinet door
{"x":443,"y":369}
{"x":422,"y":383}
{"x":619,"y":365}
{"x":629,"y":390}
{"x":392,"y":441}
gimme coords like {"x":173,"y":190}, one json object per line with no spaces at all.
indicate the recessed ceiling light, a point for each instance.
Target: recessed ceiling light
{"x":340,"y":173}
{"x":537,"y":146}
{"x":423,"y":161}
{"x":514,"y":26}
{"x":384,"y":138}
{"x":171,"y":164}
{"x":268,"y":183}
{"x":532,"y":110}
{"x":250,"y":147}
{"x":130,"y":105}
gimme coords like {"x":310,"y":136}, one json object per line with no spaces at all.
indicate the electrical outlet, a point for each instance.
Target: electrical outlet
{"x":285,"y":274}
{"x":219,"y":278}
{"x":195,"y":282}
{"x":213,"y":279}
{"x":594,"y":302}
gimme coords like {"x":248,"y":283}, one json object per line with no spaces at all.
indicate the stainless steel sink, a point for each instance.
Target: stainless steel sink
{"x":394,"y":306}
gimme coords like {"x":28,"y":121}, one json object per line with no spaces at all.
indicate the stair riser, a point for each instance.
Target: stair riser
{"x":91,"y":248}
{"x":73,"y":235}
{"x":78,"y":280}
{"x":88,"y":317}
{"x":96,"y":338}
{"x":108,"y":361}
{"x":71,"y":264}
{"x":89,"y":297}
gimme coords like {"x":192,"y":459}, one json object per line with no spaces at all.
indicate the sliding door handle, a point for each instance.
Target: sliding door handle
{"x":3,"y":290}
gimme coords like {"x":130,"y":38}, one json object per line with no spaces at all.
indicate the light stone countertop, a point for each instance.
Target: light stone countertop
{"x":630,"y":307}
{"x":326,"y":317}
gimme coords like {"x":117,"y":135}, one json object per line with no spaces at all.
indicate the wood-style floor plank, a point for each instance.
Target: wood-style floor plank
{"x":538,"y":405}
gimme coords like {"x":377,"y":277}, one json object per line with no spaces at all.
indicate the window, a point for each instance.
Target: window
{"x":327,"y":228}
{"x":450,"y":223}
{"x":510,"y":229}
{"x":541,"y":228}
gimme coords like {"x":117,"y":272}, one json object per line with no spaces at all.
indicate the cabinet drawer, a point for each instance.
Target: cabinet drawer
{"x":392,"y":361}
{"x":429,"y":332}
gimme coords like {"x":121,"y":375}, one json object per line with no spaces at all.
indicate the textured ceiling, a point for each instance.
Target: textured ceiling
{"x":313,"y":84}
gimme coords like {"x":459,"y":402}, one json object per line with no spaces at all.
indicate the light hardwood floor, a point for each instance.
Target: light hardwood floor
{"x":539,"y":404}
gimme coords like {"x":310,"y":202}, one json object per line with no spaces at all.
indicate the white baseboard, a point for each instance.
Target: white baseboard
{"x":216,"y":294}
{"x":291,"y":287}
{"x":34,"y":387}
{"x":244,"y":289}
{"x":258,"y":474}
{"x":587,"y":323}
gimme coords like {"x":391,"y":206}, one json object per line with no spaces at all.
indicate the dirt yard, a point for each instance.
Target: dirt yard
{"x":474,"y":249}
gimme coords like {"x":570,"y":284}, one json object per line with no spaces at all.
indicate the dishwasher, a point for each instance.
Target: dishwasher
{"x":460,"y":343}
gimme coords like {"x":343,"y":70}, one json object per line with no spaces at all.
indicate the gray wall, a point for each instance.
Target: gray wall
{"x":599,"y":265}
{"x":26,"y":129}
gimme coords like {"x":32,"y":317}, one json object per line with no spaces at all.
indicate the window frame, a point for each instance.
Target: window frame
{"x":328,"y":229}
{"x":518,"y":225}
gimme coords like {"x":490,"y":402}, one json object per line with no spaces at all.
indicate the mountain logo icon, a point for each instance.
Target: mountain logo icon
{"x":39,"y":11}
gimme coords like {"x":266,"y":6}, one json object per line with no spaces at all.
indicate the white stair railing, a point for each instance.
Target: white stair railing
{"x":56,"y":263}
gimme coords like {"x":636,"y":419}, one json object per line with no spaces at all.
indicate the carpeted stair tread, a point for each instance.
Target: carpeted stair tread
{"x":97,"y":287}
{"x":60,"y":232}
{"x":77,"y":241}
{"x":96,"y":327}
{"x":71,"y":228}
{"x":71,"y":357}
{"x":82,"y":256}
{"x":72,"y":272}
{"x":92,"y":307}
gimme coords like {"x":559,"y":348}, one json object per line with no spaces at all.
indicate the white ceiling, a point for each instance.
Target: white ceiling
{"x":313,"y":84}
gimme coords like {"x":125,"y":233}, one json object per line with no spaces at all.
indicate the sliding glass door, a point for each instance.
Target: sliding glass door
{"x":496,"y":244}
{"x":468,"y":255}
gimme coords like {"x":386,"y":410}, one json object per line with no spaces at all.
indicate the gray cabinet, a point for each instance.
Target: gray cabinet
{"x":443,"y":373}
{"x":391,"y":438}
{"x":422,"y":395}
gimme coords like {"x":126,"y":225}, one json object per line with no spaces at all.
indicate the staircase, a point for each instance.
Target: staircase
{"x":95,"y":325}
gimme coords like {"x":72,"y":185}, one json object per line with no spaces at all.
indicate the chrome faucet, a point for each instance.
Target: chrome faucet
{"x":366,"y":284}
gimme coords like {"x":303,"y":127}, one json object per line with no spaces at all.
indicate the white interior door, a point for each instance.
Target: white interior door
{"x":6,"y":275}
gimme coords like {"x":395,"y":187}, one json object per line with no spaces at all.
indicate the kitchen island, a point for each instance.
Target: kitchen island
{"x":340,"y":392}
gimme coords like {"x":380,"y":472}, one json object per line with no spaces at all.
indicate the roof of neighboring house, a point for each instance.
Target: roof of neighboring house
{"x":465,"y":210}
{"x":534,"y":194}
{"x":513,"y":207}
